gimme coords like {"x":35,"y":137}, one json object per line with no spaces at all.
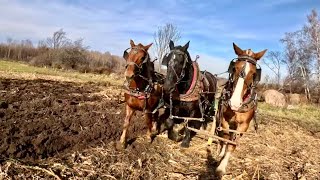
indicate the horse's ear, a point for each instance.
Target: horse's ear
{"x":237,"y":50}
{"x":259,"y":55}
{"x":147,"y":46}
{"x":171,"y":45}
{"x":186,"y":46}
{"x":132,"y":43}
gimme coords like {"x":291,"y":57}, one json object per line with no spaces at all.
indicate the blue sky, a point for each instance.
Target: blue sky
{"x":211,"y":26}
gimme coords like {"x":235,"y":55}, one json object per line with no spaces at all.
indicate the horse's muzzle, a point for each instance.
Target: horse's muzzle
{"x":233,"y":107}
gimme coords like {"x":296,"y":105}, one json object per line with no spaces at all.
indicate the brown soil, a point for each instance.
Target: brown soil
{"x":67,"y":130}
{"x":46,"y":118}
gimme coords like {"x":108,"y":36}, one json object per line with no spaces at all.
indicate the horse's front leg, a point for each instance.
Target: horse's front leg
{"x":161,"y":121}
{"x":165,"y":123}
{"x":225,"y":134}
{"x":221,"y":169}
{"x":129,"y":113}
{"x":188,"y":134}
{"x":155,"y":123}
{"x":149,"y":122}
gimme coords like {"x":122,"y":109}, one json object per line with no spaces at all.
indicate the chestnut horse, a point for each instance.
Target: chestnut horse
{"x":238,"y":103}
{"x":142,"y":88}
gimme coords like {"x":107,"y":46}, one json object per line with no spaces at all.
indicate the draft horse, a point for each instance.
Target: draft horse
{"x":188,"y":92}
{"x":238,"y":103}
{"x":142,"y":87}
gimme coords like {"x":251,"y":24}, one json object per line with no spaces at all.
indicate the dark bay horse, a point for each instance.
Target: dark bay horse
{"x":142,"y":87}
{"x":238,"y":102}
{"x":190,"y":91}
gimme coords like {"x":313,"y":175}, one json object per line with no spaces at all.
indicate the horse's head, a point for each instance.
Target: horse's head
{"x":176,"y":61}
{"x":136,"y":58}
{"x":244,"y":74}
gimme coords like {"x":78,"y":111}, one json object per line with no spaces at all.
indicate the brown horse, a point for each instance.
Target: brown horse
{"x":142,"y":88}
{"x":238,"y":102}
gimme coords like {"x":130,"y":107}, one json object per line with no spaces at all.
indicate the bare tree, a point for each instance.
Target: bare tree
{"x":79,"y":44}
{"x":162,"y":39}
{"x":28,"y":43}
{"x":312,"y":30}
{"x":274,"y":61}
{"x":9,"y":42}
{"x":298,"y":59}
{"x":289,"y":57}
{"x":305,"y":62}
{"x":42,"y":44}
{"x":58,"y":40}
{"x":266,"y":81}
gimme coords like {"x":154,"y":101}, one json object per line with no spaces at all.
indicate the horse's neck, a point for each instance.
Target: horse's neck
{"x":141,"y":82}
{"x":148,"y":71}
{"x":185,"y":83}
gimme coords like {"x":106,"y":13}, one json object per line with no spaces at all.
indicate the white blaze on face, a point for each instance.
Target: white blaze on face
{"x":236,"y":98}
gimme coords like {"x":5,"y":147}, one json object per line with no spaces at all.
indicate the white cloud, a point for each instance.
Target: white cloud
{"x":212,"y":64}
{"x":109,"y":26}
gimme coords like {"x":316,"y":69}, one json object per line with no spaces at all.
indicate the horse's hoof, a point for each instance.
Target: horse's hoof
{"x":185,"y":144}
{"x":154,"y":134}
{"x":220,"y":172}
{"x":174,"y":136}
{"x":148,"y":138}
{"x":121,"y":145}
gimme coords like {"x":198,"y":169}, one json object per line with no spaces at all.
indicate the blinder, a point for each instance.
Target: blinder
{"x":257,"y":77}
{"x":125,"y":54}
{"x":165,"y":60}
{"x":231,"y":67}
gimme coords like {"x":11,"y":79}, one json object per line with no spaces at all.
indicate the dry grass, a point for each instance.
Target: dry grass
{"x":25,"y":71}
{"x":307,"y":116}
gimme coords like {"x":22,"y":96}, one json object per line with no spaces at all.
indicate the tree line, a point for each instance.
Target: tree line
{"x":58,"y":51}
{"x":300,"y":57}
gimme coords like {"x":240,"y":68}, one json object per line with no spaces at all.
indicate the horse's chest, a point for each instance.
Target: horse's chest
{"x":187,"y":107}
{"x":231,"y":116}
{"x":141,"y":103}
